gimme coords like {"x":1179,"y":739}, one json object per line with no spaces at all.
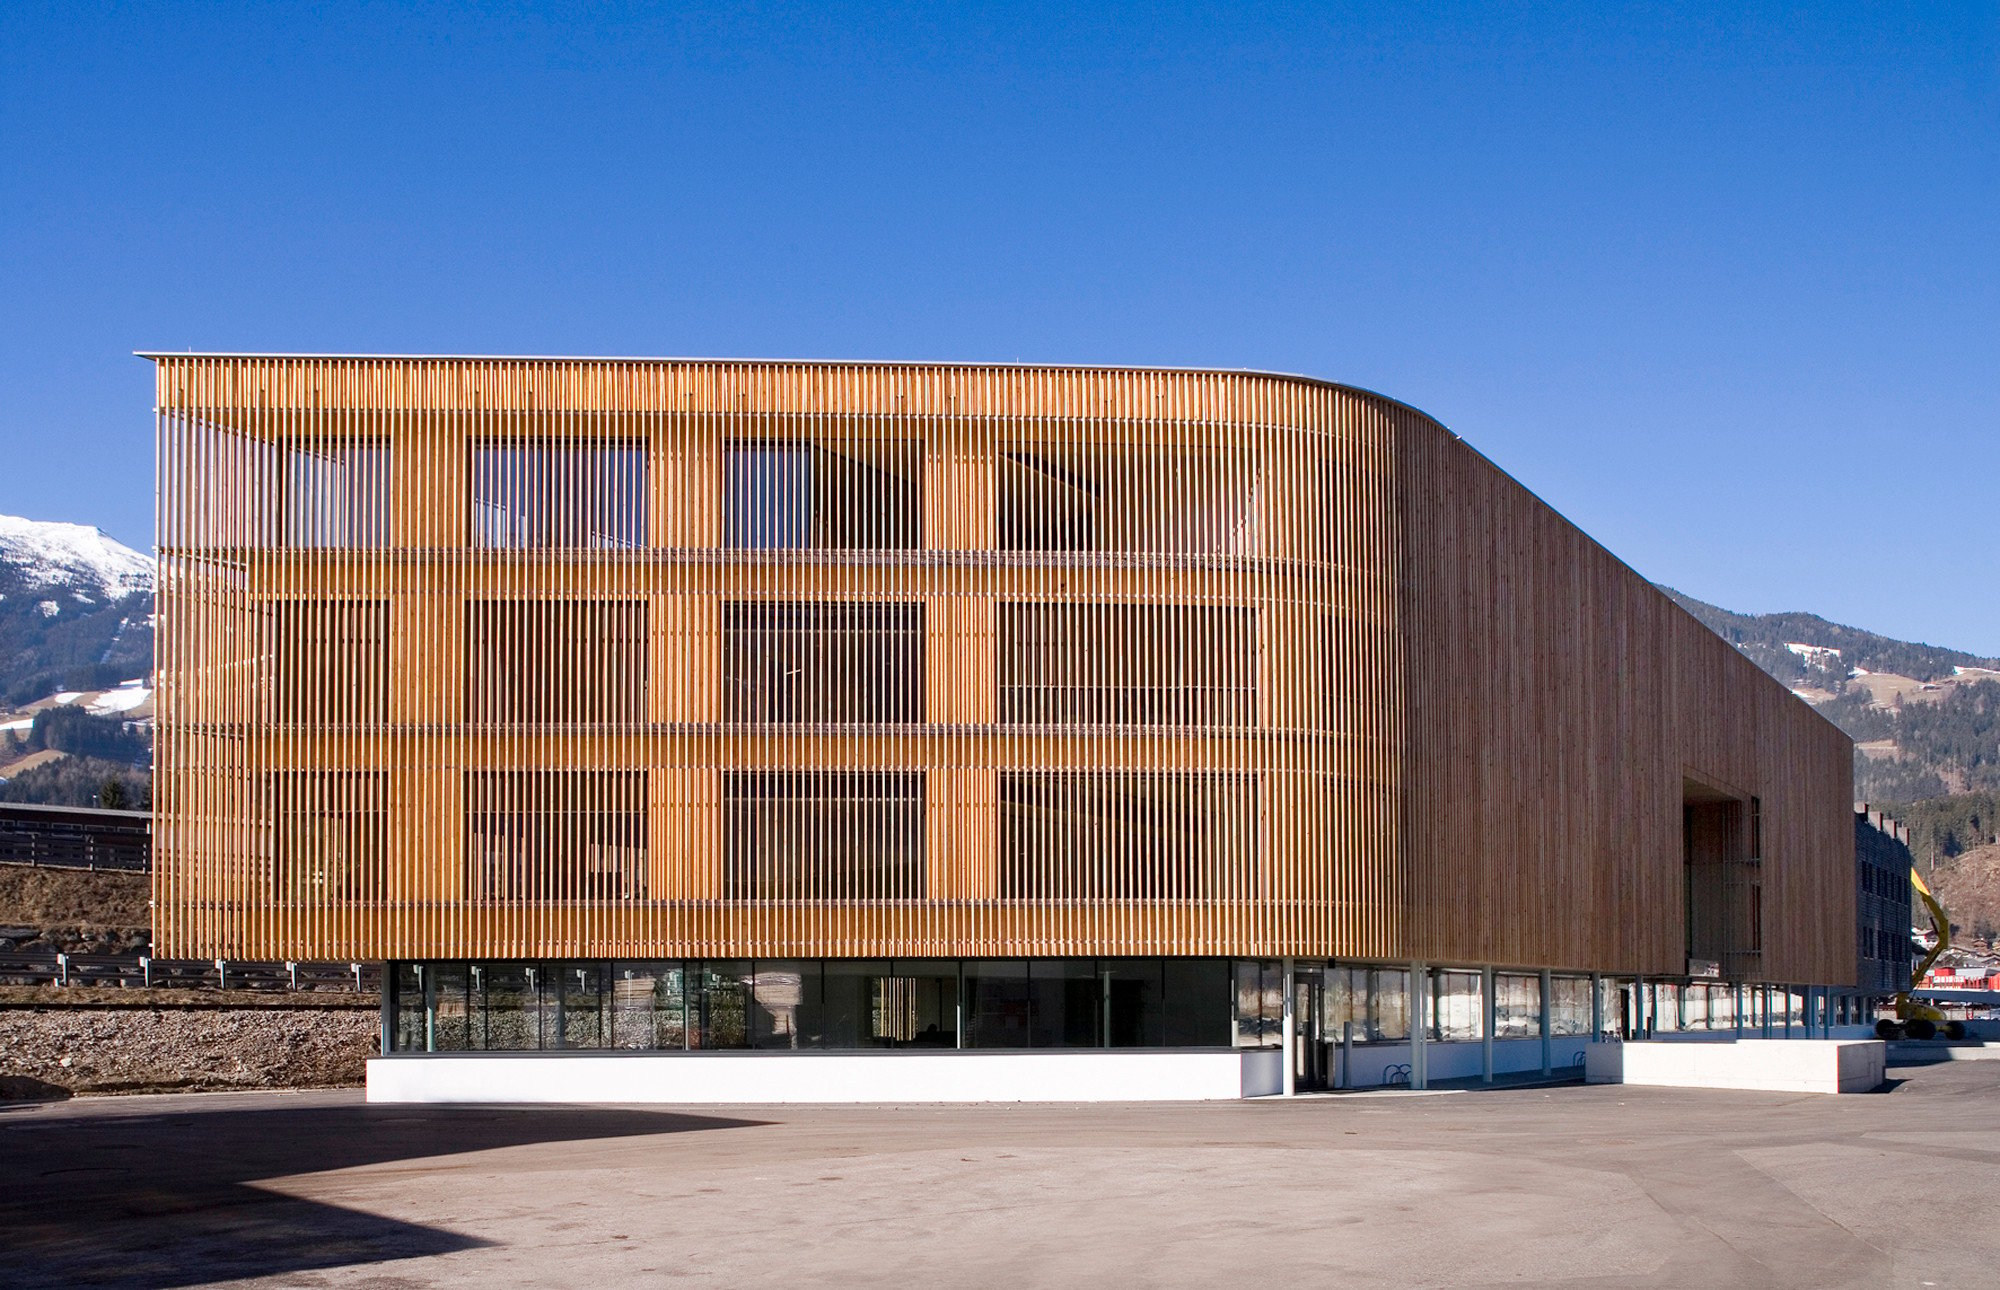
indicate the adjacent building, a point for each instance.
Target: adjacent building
{"x":1884,"y":915}
{"x":75,"y":837}
{"x":654,"y":706}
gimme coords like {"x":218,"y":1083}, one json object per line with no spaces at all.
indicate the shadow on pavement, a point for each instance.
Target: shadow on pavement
{"x":166,"y":1198}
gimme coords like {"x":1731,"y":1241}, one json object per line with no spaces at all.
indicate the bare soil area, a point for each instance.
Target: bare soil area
{"x":1968,"y":885}
{"x":33,"y":897}
{"x":129,"y":1041}
{"x":74,"y":911}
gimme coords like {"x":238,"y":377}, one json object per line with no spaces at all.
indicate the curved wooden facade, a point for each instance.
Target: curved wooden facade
{"x":624,"y":658}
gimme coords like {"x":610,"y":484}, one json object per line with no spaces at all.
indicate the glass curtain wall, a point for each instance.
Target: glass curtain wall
{"x":817,"y":1004}
{"x":848,"y":1004}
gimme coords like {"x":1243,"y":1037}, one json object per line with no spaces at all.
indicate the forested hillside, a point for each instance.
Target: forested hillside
{"x":1925,"y":720}
{"x":1769,"y":640}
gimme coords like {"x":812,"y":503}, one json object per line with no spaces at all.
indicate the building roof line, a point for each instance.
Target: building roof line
{"x":155,"y":355}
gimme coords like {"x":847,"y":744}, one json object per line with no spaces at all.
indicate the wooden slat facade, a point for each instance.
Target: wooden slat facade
{"x":646,"y":658}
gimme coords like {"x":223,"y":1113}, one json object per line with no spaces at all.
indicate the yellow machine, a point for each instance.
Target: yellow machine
{"x":1914,"y":1019}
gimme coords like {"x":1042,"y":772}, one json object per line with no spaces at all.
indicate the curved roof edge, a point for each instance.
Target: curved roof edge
{"x":961,"y":364}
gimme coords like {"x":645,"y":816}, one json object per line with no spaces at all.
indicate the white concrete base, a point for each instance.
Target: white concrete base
{"x":1770,"y":1065}
{"x":1086,"y":1075}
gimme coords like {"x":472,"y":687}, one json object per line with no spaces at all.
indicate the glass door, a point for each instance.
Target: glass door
{"x":1310,"y":1055}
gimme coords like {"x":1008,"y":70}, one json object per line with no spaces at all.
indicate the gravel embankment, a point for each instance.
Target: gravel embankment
{"x":73,"y":911}
{"x":97,"y":1047}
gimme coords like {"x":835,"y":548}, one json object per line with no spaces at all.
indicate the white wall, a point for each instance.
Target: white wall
{"x":1086,"y":1075}
{"x":1771,"y":1065}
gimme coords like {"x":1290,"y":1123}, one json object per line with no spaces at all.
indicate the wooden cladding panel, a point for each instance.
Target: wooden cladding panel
{"x":1556,"y":704}
{"x":1467,"y":741}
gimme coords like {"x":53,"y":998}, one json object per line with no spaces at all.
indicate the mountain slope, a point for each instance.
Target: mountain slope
{"x":1925,"y":720}
{"x":76,"y":610}
{"x":47,"y":554}
{"x":1798,"y":648}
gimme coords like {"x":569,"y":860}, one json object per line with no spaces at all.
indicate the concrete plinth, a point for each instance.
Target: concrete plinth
{"x":1769,"y":1065}
{"x":735,"y":1078}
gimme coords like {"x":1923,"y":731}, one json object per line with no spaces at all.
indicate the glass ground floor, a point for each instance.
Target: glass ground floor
{"x":947,"y":1003}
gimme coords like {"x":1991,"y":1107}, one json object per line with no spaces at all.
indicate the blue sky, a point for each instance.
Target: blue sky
{"x":1722,"y":286}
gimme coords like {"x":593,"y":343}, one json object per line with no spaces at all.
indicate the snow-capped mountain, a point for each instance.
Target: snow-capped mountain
{"x":75,"y":557}
{"x":76,"y":610}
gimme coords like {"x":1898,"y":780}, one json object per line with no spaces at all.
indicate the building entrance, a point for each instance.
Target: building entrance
{"x":1310,"y":1057}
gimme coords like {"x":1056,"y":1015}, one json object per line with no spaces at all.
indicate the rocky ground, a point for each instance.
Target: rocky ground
{"x":130,"y":1041}
{"x":73,"y":911}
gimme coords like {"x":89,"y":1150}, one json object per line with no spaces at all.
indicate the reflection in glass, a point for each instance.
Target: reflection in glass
{"x":412,"y":1010}
{"x":721,"y":1005}
{"x":1569,"y":1005}
{"x":648,"y":1005}
{"x":1375,"y":1000}
{"x":451,"y":1007}
{"x":510,"y":1021}
{"x":785,"y":991}
{"x":579,"y":1006}
{"x":1458,"y":1006}
{"x":848,"y":1014}
{"x":1260,"y":1003}
{"x":335,"y":492}
{"x":834,"y":1004}
{"x":766,"y":495}
{"x":1517,"y":1006}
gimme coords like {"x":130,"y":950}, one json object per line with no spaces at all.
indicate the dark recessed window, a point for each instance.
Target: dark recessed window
{"x":1126,"y":835}
{"x":1118,"y":497}
{"x":823,"y":836}
{"x":794,"y":494}
{"x":331,"y":834}
{"x":330,"y":662}
{"x":822,"y":661}
{"x":559,"y":835}
{"x":555,"y":661}
{"x":1149,"y":665}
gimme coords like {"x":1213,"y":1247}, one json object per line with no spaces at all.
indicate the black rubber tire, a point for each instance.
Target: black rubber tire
{"x":1954,"y":1030}
{"x":1923,"y":1028}
{"x":1887,"y":1029}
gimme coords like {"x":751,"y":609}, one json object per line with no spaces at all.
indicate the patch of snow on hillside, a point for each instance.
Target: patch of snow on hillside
{"x":1817,"y":655}
{"x":49,"y":608}
{"x":123,"y":699}
{"x":1975,"y":671}
{"x":73,"y":556}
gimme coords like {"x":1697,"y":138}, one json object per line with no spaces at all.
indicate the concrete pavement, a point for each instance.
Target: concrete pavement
{"x":1576,"y":1186}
